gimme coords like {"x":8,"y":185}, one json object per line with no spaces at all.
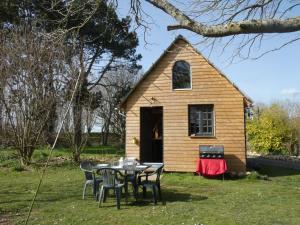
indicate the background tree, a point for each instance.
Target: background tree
{"x":273,"y":130}
{"x":226,"y":18}
{"x":292,"y":108}
{"x":2,"y":85}
{"x":104,"y":42}
{"x":101,"y":39}
{"x":242,"y":24}
{"x":32,"y":68}
{"x":115,"y":85}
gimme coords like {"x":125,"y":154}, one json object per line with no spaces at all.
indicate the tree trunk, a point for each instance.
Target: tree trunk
{"x":77,"y":108}
{"x":1,"y":120}
{"x":122,"y":139}
{"x":1,"y":115}
{"x":105,"y":130}
{"x":51,"y":124}
{"x":76,"y":155}
{"x":77,"y":116}
{"x":104,"y":135}
{"x":26,"y":154}
{"x":24,"y":161}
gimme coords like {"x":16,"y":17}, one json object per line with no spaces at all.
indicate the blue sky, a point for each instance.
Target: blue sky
{"x":275,"y":76}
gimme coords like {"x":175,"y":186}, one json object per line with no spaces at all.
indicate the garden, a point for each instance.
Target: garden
{"x":65,"y":68}
{"x":268,"y":196}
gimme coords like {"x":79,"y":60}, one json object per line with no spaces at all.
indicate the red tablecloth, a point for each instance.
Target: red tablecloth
{"x":211,"y":167}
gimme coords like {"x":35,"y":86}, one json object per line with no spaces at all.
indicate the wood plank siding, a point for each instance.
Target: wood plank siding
{"x":209,"y":86}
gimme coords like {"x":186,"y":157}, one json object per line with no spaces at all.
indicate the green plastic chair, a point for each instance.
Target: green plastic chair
{"x":131,"y":175}
{"x":154,"y":185}
{"x":112,"y":179}
{"x":90,"y":178}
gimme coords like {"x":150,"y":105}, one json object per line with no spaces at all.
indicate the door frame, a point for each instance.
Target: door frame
{"x":163,"y":130}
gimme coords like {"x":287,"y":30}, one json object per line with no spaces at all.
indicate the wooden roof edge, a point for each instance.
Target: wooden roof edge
{"x":150,"y":69}
{"x":248,"y":99}
{"x":180,"y":37}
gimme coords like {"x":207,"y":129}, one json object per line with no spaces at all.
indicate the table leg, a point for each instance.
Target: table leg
{"x":94,"y":189}
{"x":126,"y":190}
{"x":135,"y":186}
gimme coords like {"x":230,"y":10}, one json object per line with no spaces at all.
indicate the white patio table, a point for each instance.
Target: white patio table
{"x":130,"y":173}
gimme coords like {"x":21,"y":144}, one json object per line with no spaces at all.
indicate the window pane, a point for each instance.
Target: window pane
{"x":209,"y":122}
{"x":181,"y":75}
{"x":201,"y":120}
{"x":209,"y":115}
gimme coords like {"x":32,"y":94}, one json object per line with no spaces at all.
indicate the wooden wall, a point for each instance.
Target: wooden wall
{"x":208,"y":87}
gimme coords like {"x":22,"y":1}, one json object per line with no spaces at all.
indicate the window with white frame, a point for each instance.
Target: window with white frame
{"x":201,"y":120}
{"x":181,"y":75}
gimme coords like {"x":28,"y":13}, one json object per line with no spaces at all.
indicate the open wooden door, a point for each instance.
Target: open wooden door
{"x":151,"y":134}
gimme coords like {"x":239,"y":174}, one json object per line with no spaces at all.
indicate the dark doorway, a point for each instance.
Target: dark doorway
{"x":151,"y":134}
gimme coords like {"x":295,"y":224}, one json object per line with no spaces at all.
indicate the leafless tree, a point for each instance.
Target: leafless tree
{"x":225,"y":18}
{"x":100,"y":40}
{"x":32,"y":73}
{"x":87,"y":121}
{"x":115,"y":85}
{"x":243,"y":24}
{"x":246,"y":24}
{"x":2,"y":85}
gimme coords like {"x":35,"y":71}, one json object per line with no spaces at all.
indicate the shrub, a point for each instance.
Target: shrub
{"x":269,"y":132}
{"x":7,"y":158}
{"x":18,"y":167}
{"x":43,"y":155}
{"x":254,"y":175}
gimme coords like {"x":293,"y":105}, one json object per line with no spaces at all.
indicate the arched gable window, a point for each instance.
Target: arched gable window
{"x":181,"y":75}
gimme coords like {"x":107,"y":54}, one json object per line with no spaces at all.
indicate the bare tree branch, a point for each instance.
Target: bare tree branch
{"x":232,"y":28}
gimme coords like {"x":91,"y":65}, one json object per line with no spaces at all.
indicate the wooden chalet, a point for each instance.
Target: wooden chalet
{"x":184,"y":101}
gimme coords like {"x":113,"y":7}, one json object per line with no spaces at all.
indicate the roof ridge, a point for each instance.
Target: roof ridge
{"x":178,"y":37}
{"x":220,"y":72}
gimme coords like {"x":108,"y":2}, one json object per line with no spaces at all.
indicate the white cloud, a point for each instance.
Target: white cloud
{"x":291,"y":92}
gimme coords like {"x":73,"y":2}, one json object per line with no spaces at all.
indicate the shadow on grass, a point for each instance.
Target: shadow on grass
{"x":263,"y":167}
{"x":42,"y":197}
{"x":175,"y":196}
{"x":273,"y":171}
{"x":168,"y":196}
{"x":47,"y":193}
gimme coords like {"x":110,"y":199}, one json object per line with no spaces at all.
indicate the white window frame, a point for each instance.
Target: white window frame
{"x":191,"y":78}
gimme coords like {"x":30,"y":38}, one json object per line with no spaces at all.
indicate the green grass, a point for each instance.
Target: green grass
{"x":9,"y":158}
{"x":188,"y":199}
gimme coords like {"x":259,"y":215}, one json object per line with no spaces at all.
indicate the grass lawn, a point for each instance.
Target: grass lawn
{"x":187,"y":199}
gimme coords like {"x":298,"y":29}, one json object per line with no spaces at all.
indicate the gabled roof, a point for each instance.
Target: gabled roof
{"x":180,"y":37}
